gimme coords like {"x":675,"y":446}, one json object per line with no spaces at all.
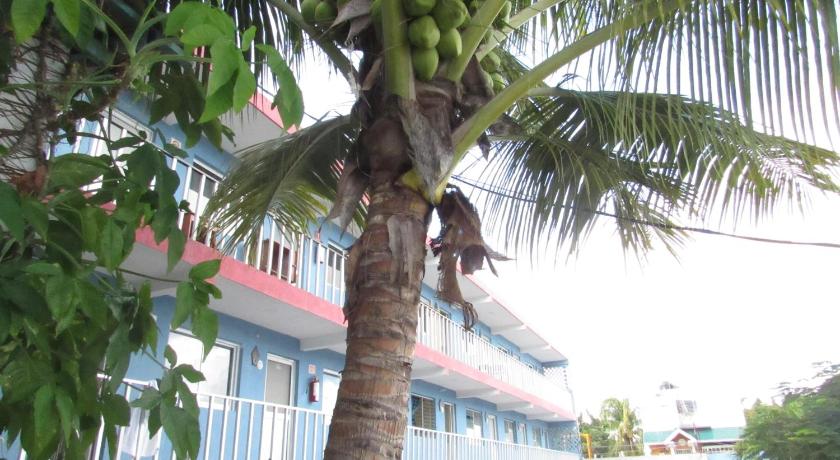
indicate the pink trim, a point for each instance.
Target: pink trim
{"x":271,"y":286}
{"x":263,"y":104}
{"x":250,"y":277}
{"x":446,"y":362}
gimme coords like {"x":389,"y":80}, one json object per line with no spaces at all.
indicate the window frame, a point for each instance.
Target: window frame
{"x":235,"y":349}
{"x":477,"y":416}
{"x":512,"y":423}
{"x":454,"y":418}
{"x":423,"y":406}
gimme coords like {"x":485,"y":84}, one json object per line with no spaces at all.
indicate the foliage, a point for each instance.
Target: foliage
{"x":71,"y":317}
{"x":805,"y":426}
{"x":616,"y":431}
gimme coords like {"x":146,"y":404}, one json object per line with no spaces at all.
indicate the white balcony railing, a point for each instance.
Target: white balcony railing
{"x":442,"y":334}
{"x":423,"y":444}
{"x":238,"y":428}
{"x":319,"y":269}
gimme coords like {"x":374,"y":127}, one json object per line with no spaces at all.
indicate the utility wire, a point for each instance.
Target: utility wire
{"x":513,"y":196}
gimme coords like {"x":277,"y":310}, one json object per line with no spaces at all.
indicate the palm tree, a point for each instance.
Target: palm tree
{"x":668,"y":108}
{"x":623,"y":425}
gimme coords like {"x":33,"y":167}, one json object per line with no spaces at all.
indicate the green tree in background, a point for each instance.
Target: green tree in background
{"x":71,"y":316}
{"x":599,"y":436}
{"x":623,"y":425}
{"x":806,"y":426}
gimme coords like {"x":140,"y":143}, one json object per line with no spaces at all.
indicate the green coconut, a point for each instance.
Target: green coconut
{"x":324,"y":12}
{"x":488,"y":80}
{"x":307,"y":10}
{"x":423,"y":32}
{"x":418,"y":8}
{"x":490,"y":62}
{"x":425,"y":63}
{"x":499,"y":82}
{"x":449,"y":45}
{"x":449,"y":14}
{"x":474,"y":6}
{"x":504,"y":16}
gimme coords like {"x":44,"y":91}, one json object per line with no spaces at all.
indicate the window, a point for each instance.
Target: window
{"x":685,"y":407}
{"x":423,"y":412}
{"x":474,"y":425}
{"x":334,"y":276}
{"x":538,"y":435}
{"x":521,"y":438}
{"x":448,"y":417}
{"x":218,"y":367}
{"x":282,"y":255}
{"x":492,"y":428}
{"x":201,"y":185}
{"x":510,"y":431}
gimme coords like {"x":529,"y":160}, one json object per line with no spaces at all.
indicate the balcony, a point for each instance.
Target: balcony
{"x":237,"y":428}
{"x":318,"y":268}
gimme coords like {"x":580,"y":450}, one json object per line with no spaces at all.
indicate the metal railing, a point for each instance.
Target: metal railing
{"x":442,"y":334}
{"x":319,"y":269}
{"x":239,"y":428}
{"x":422,"y":444}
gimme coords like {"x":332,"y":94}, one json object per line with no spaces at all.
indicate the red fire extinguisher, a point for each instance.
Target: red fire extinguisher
{"x":314,"y":390}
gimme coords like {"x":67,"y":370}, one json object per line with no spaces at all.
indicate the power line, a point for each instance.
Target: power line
{"x":706,"y":231}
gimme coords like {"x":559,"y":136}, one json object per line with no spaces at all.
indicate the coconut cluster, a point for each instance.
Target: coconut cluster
{"x":434,"y":31}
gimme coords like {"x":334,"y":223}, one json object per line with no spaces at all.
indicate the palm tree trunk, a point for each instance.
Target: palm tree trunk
{"x":385,"y":271}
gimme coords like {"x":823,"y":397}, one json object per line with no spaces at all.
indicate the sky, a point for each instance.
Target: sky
{"x":726,"y":321}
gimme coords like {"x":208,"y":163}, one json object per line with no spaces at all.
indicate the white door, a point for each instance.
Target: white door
{"x":278,"y":424}
{"x":330,"y":396}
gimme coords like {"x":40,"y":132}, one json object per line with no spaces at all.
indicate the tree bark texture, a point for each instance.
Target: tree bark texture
{"x":384,"y":273}
{"x":369,"y":420}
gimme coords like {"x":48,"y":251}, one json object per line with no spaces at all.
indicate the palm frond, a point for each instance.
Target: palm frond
{"x":773,"y":63}
{"x":292,"y":180}
{"x":640,"y":157}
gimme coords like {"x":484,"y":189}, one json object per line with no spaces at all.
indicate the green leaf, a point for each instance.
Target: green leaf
{"x":10,"y":211}
{"x":184,"y":303}
{"x":187,"y":397}
{"x":92,"y":304}
{"x":226,"y":59}
{"x":43,"y":268}
{"x":35,"y":212}
{"x":64,"y":404}
{"x":220,"y":102}
{"x":205,"y":270}
{"x":248,"y":37}
{"x":176,"y":241}
{"x":189,"y":373}
{"x":27,"y":16}
{"x":62,"y":297}
{"x":245,"y":87}
{"x":149,"y":399}
{"x":170,"y":355}
{"x":68,"y":13}
{"x":180,"y":14}
{"x":201,"y":35}
{"x":93,"y":219}
{"x":76,"y":170}
{"x":182,"y":430}
{"x":165,"y":221}
{"x":205,"y":326}
{"x":44,"y":420}
{"x":111,"y":245}
{"x":115,"y":409}
{"x":289,"y":99}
